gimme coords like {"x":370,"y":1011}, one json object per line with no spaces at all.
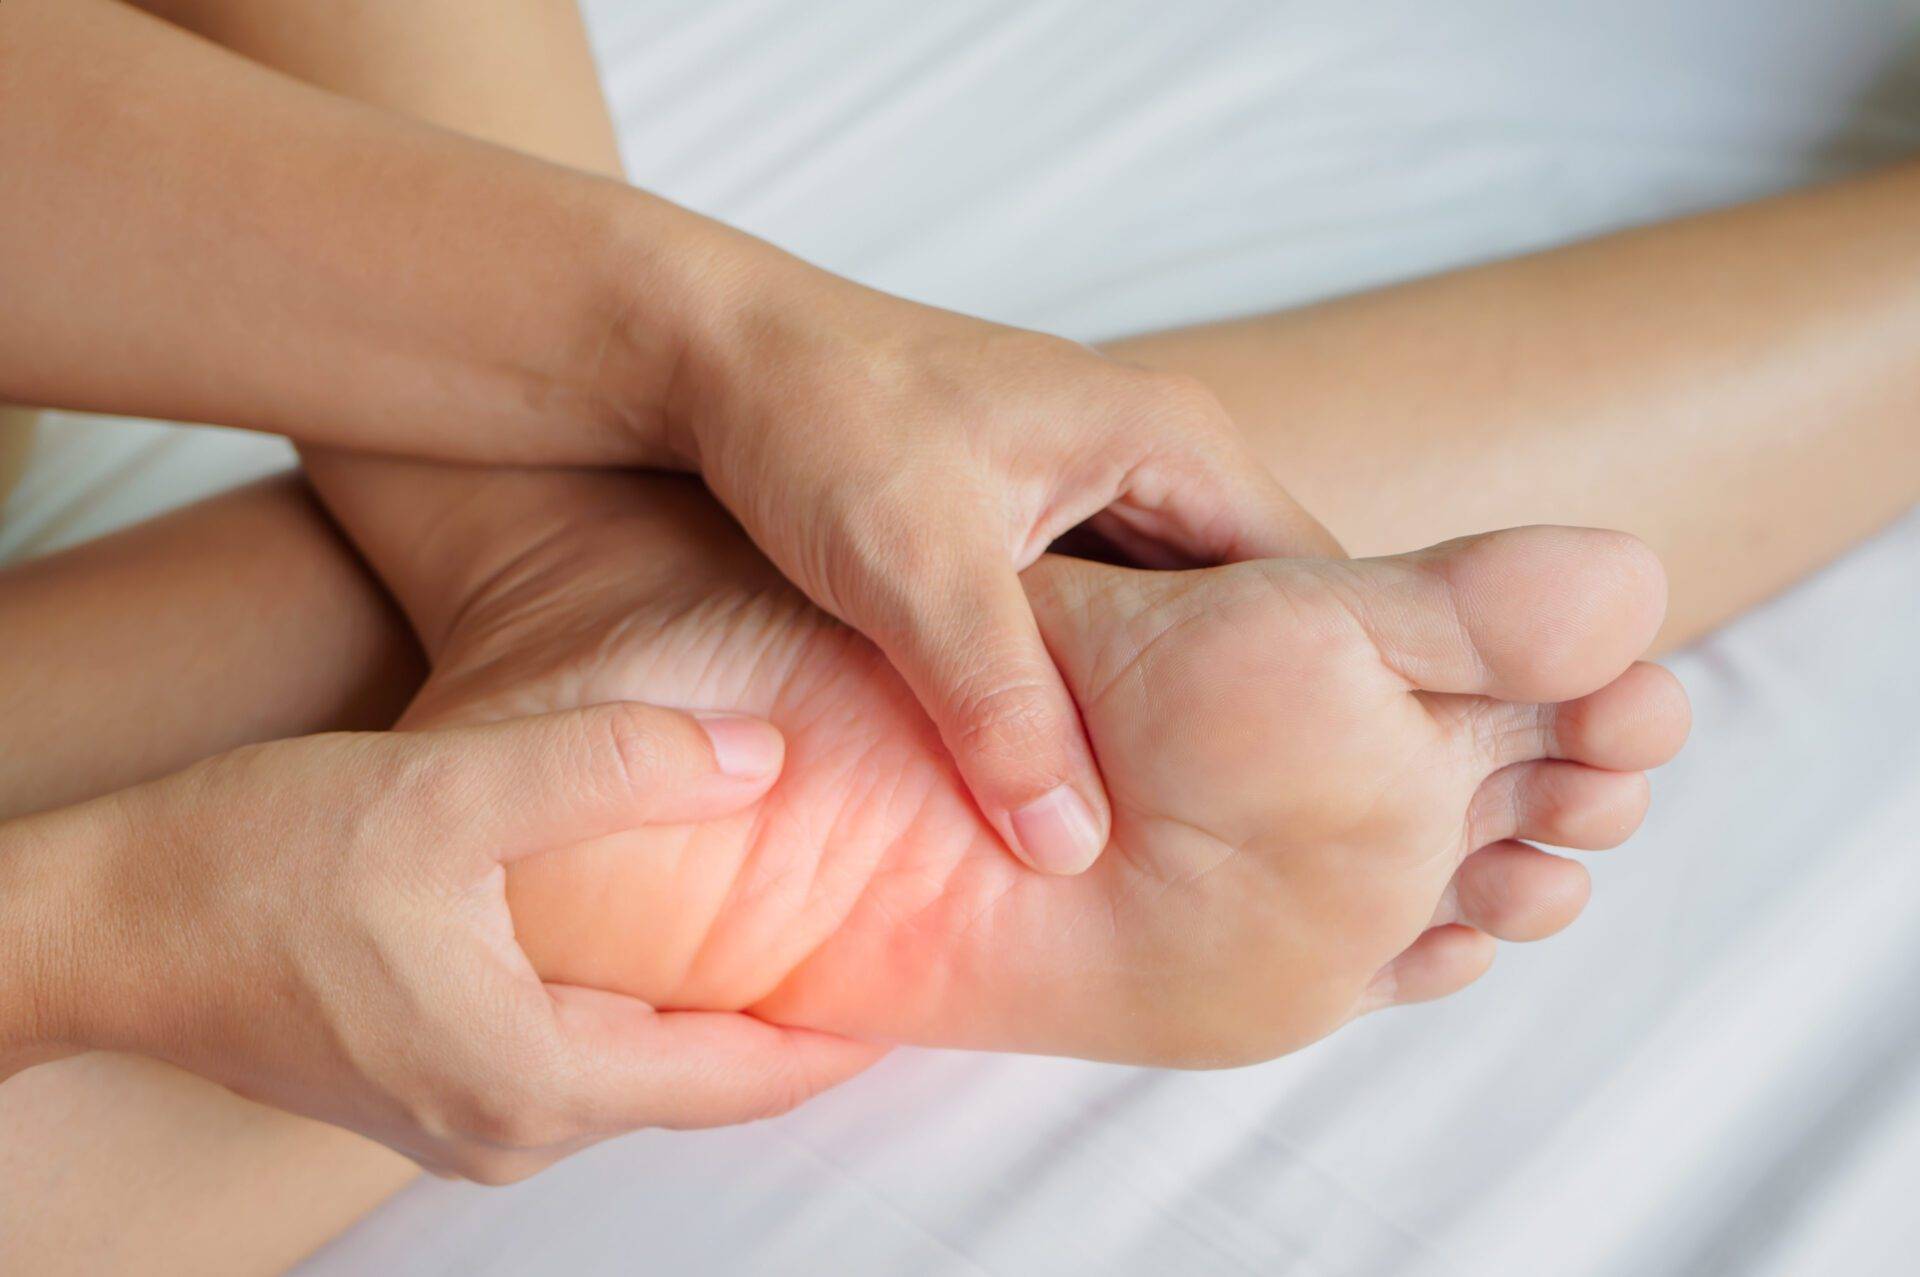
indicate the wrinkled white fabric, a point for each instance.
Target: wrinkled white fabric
{"x":1716,"y":1070}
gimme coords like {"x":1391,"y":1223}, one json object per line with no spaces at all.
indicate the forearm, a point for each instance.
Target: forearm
{"x":188,"y":234}
{"x":524,"y":79}
{"x":1737,"y":389}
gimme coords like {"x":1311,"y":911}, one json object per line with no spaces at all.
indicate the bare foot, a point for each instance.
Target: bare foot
{"x":1320,"y":770}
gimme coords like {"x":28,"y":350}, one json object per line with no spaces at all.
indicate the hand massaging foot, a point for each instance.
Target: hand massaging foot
{"x":1318,"y":767}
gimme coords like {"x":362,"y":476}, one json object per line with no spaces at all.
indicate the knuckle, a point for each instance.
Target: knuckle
{"x":429,"y":783}
{"x":635,"y":745}
{"x":1185,"y":400}
{"x":489,"y":1122}
{"x":905,"y":551}
{"x":915,"y":585}
{"x":1005,"y":723}
{"x":494,"y":1169}
{"x":516,"y":1123}
{"x":891,"y":534}
{"x":510,"y":1104}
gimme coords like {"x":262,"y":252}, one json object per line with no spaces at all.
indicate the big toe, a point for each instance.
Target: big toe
{"x":1529,"y":614}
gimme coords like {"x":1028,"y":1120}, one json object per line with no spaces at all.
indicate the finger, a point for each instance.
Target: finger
{"x":634,"y":1066}
{"x":1443,"y":961}
{"x":529,"y":784}
{"x":973,"y":655}
{"x":1205,"y":499}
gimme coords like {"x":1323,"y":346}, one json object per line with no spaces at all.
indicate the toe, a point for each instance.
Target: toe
{"x":1515,"y":892}
{"x":1565,"y":804}
{"x":1634,"y":723}
{"x":1442,"y":961}
{"x":1492,"y":733}
{"x":1528,"y":614}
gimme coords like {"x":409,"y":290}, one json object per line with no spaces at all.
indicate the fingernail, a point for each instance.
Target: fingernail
{"x":1057,"y":832}
{"x":744,"y":748}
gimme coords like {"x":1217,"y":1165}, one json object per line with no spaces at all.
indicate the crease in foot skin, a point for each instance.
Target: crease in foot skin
{"x":1295,"y":829}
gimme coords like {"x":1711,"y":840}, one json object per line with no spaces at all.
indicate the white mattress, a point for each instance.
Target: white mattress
{"x":1717,"y":1069}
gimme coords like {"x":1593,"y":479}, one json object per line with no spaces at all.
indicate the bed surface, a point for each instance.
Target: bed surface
{"x":1717,"y":1069}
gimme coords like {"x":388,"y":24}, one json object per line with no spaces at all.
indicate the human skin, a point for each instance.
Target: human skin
{"x":1736,"y":388}
{"x":266,"y":917}
{"x":241,"y":619}
{"x":194,"y":1178}
{"x":498,"y":308}
{"x":152,"y":581}
{"x":16,"y":439}
{"x":1303,"y":752}
{"x":225,"y":1153}
{"x":1410,"y":705}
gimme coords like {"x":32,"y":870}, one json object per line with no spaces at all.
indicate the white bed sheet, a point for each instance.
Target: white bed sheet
{"x":1716,"y":1070}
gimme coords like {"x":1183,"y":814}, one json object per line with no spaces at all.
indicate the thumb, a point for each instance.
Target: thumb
{"x":1263,"y":519}
{"x":635,"y":1066}
{"x":584,"y":773}
{"x":973,"y":655}
{"x":1210,"y":505}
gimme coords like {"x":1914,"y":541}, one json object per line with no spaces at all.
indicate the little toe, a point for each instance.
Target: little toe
{"x":1529,"y":614}
{"x":1444,"y":960}
{"x":1562,"y":803}
{"x":1515,"y":892}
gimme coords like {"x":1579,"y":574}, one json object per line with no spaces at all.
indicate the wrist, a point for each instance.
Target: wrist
{"x":42,"y":862}
{"x":744,"y":315}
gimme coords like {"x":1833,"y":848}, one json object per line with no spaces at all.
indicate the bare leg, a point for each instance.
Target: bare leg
{"x":1737,"y":389}
{"x":242,"y":619}
{"x":16,"y":440}
{"x":253,"y":624}
{"x":518,"y":72}
{"x":1358,"y":448}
